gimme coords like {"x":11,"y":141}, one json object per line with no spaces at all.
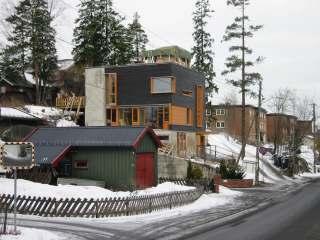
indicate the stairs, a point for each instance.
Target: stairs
{"x":166,"y":149}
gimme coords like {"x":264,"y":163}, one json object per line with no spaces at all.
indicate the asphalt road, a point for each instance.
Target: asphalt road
{"x":287,"y":214}
{"x":293,"y":217}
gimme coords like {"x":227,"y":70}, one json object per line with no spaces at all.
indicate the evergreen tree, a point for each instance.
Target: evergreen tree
{"x":100,"y":37}
{"x":31,"y":45}
{"x":15,"y":56}
{"x":42,"y":44}
{"x":240,"y":30}
{"x":202,"y":51}
{"x":139,"y":38}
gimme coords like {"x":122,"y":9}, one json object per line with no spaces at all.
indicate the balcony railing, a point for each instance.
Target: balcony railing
{"x":70,"y":102}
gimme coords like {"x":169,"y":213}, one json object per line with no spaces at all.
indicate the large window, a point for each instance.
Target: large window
{"x":111,"y":89}
{"x":163,"y":85}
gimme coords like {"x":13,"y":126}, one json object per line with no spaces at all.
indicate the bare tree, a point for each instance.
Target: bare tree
{"x":283,"y":101}
{"x":304,"y":108}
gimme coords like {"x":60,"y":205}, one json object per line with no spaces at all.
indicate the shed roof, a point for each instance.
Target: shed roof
{"x":14,"y":113}
{"x":53,"y":143}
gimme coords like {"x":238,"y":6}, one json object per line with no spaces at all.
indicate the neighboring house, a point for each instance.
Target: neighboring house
{"x":168,"y":97}
{"x":280,"y":128}
{"x":16,"y":93}
{"x":15,"y":124}
{"x":120,"y":157}
{"x":227,"y":118}
{"x":168,"y":54}
{"x":304,"y":127}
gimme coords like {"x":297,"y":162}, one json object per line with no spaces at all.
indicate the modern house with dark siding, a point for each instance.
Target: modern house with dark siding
{"x":168,"y":97}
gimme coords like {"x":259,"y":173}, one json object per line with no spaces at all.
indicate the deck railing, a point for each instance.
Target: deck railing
{"x":71,"y":102}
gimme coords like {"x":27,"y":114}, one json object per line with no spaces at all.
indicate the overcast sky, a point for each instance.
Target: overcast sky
{"x":290,"y":39}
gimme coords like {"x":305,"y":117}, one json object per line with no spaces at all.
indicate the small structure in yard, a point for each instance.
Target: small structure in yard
{"x":122,"y":157}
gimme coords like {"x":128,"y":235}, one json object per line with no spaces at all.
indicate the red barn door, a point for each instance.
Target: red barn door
{"x":144,"y":170}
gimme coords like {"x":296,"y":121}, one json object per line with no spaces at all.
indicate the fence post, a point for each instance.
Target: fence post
{"x":150,"y":204}
{"x":97,"y":208}
{"x":127,"y":206}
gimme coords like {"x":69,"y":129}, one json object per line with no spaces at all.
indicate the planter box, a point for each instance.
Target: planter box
{"x":234,"y":183}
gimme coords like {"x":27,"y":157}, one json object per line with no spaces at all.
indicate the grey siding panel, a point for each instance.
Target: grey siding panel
{"x":134,"y":84}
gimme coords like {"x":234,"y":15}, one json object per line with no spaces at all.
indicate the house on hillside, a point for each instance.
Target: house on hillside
{"x":14,"y":93}
{"x":120,"y":157}
{"x":225,"y":118}
{"x":168,"y":97}
{"x":280,"y":128}
{"x":15,"y":124}
{"x":168,"y":54}
{"x":304,"y":127}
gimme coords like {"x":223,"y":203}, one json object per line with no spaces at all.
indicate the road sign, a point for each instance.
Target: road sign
{"x":17,"y":155}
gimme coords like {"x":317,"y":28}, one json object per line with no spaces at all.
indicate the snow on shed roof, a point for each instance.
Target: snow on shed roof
{"x":8,"y":112}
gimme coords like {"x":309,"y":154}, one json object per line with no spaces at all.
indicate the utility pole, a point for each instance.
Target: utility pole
{"x":258,"y":133}
{"x":314,"y":136}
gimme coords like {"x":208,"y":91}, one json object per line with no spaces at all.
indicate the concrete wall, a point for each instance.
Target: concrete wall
{"x":95,"y":110}
{"x":174,"y":167}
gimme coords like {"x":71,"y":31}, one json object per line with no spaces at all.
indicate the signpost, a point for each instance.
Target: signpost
{"x":16,"y":155}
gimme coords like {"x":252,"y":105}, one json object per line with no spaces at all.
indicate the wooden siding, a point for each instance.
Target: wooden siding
{"x":114,"y":166}
{"x":179,"y":116}
{"x":200,"y":105}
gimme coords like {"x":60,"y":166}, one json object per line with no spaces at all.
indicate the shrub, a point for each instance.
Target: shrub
{"x":231,"y":171}
{"x":194,"y":172}
{"x":197,"y":173}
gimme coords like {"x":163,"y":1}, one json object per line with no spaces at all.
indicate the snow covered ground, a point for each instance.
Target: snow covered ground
{"x":29,"y":188}
{"x":226,"y":145}
{"x":31,"y":234}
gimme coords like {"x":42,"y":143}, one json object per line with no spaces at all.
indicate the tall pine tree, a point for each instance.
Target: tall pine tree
{"x":100,"y":37}
{"x":31,"y":45}
{"x":43,"y":50}
{"x":241,"y":30}
{"x":139,"y":38}
{"x":16,"y":55}
{"x":202,"y":51}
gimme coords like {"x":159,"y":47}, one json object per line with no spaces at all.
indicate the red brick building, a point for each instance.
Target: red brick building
{"x":227,"y":119}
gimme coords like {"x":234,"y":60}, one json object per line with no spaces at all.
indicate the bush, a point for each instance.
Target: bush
{"x":231,"y":171}
{"x":197,"y":173}
{"x":194,"y":172}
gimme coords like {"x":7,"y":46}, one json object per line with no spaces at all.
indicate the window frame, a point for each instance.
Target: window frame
{"x":218,"y":124}
{"x":220,"y":112}
{"x":173,"y":85}
{"x":76,"y":166}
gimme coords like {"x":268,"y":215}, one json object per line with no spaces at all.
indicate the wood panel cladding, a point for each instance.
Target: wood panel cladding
{"x":199,"y":105}
{"x":180,"y":116}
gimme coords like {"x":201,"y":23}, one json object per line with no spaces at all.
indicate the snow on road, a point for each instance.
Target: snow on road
{"x":29,"y":188}
{"x":32,"y":234}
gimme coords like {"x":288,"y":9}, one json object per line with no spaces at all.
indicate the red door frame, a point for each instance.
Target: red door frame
{"x":145,"y":170}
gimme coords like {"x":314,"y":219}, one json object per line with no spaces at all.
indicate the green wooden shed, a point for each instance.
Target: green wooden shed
{"x":122,"y":157}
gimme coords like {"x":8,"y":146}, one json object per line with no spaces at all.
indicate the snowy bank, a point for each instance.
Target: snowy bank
{"x":226,"y":145}
{"x":32,"y":234}
{"x":28,"y":188}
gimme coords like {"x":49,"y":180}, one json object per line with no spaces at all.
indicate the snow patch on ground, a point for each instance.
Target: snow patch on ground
{"x":32,"y":189}
{"x":32,"y":234}
{"x":66,"y":123}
